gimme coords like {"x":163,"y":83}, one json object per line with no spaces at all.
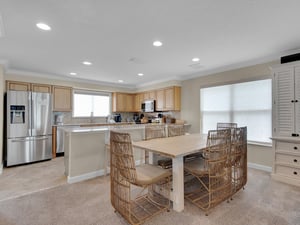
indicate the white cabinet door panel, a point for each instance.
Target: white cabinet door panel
{"x":284,"y":115}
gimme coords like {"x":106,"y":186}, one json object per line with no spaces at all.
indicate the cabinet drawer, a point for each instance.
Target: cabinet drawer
{"x":288,"y":147}
{"x":288,"y":171}
{"x":290,"y":159}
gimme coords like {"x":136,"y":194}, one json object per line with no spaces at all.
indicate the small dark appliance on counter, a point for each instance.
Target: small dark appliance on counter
{"x":118,"y":118}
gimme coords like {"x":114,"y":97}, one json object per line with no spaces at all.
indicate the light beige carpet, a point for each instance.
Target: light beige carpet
{"x":22,"y":180}
{"x":263,"y":202}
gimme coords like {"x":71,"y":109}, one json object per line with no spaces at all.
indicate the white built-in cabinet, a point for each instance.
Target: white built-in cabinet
{"x":286,"y":123}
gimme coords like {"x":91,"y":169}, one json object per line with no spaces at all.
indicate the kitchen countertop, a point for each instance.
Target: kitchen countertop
{"x":84,"y":129}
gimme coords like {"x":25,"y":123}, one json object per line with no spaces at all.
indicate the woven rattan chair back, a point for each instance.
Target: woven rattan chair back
{"x":120,"y":144}
{"x":226,"y":125}
{"x":214,"y":176}
{"x":239,"y":158}
{"x":175,"y":130}
{"x":155,"y":131}
{"x":136,"y":206}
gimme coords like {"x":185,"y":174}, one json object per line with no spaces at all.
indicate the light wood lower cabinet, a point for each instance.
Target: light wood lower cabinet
{"x":54,"y":130}
{"x":62,"y":98}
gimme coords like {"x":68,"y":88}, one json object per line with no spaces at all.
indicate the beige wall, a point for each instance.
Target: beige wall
{"x":1,"y":115}
{"x":190,"y":101}
{"x":190,"y":93}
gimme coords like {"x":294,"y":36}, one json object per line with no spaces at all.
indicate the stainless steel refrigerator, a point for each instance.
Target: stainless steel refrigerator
{"x":29,"y":131}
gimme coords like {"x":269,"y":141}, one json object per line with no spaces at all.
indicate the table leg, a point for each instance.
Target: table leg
{"x":178,"y":184}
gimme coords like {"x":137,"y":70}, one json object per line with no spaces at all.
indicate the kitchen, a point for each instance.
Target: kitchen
{"x":121,"y":80}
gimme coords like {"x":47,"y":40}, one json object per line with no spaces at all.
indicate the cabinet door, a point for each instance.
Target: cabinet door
{"x":137,"y":102}
{"x":62,"y":99}
{"x":129,"y":103}
{"x":118,"y":102}
{"x":160,"y":100}
{"x":44,"y":88}
{"x":17,"y":86}
{"x":297,"y":98}
{"x":152,"y":95}
{"x":169,"y":98}
{"x":284,"y":107}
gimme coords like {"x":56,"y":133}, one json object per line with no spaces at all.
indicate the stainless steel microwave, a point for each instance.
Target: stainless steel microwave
{"x":148,"y":106}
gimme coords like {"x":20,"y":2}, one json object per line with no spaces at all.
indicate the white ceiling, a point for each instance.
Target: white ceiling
{"x":117,"y":35}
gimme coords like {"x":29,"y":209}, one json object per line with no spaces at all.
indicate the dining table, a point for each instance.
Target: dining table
{"x":176,"y":148}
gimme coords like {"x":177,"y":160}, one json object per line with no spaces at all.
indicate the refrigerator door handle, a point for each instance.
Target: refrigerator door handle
{"x":20,"y":140}
{"x":41,"y":138}
{"x":29,"y":114}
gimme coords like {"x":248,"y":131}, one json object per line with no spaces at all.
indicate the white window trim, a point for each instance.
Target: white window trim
{"x":91,"y":92}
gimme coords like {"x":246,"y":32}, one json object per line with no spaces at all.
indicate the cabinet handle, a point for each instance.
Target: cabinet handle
{"x":295,"y":160}
{"x":295,"y":148}
{"x":295,"y":173}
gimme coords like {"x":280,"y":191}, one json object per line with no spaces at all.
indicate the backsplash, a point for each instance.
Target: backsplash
{"x":126,"y":117}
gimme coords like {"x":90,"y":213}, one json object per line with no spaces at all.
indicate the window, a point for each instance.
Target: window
{"x":91,"y":104}
{"x":247,"y":104}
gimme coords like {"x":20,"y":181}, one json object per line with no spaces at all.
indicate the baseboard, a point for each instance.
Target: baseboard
{"x":260,"y":167}
{"x":86,"y":176}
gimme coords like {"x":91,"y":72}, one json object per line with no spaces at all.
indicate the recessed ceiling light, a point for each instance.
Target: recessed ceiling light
{"x":140,"y":74}
{"x":120,"y":81}
{"x":87,"y":63}
{"x":157,"y":43}
{"x":73,"y":74}
{"x":195,"y":59}
{"x":43,"y":26}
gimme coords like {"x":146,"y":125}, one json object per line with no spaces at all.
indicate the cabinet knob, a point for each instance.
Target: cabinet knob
{"x":295,"y":173}
{"x":292,"y":101}
{"x":295,"y":160}
{"x":296,"y":100}
{"x":295,"y":148}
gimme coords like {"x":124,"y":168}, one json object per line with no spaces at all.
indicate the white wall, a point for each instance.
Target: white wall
{"x":1,"y":115}
{"x":190,"y":101}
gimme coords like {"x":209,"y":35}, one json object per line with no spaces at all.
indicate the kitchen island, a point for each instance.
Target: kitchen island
{"x":86,"y":149}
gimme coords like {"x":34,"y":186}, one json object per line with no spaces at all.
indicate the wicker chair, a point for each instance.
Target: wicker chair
{"x":226,"y":125}
{"x":151,"y":132}
{"x":173,"y":130}
{"x":212,"y":175}
{"x":239,"y":159}
{"x":137,"y":193}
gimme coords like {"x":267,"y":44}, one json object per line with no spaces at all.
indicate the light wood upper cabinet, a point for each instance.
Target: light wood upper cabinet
{"x":160,"y":100}
{"x":138,"y":99}
{"x":62,"y":98}
{"x":168,"y":99}
{"x":152,"y":95}
{"x":123,"y":102}
{"x":17,"y":86}
{"x":24,"y":86}
{"x":45,"y":88}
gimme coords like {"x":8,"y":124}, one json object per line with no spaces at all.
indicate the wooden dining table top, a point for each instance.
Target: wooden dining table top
{"x":174,"y":146}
